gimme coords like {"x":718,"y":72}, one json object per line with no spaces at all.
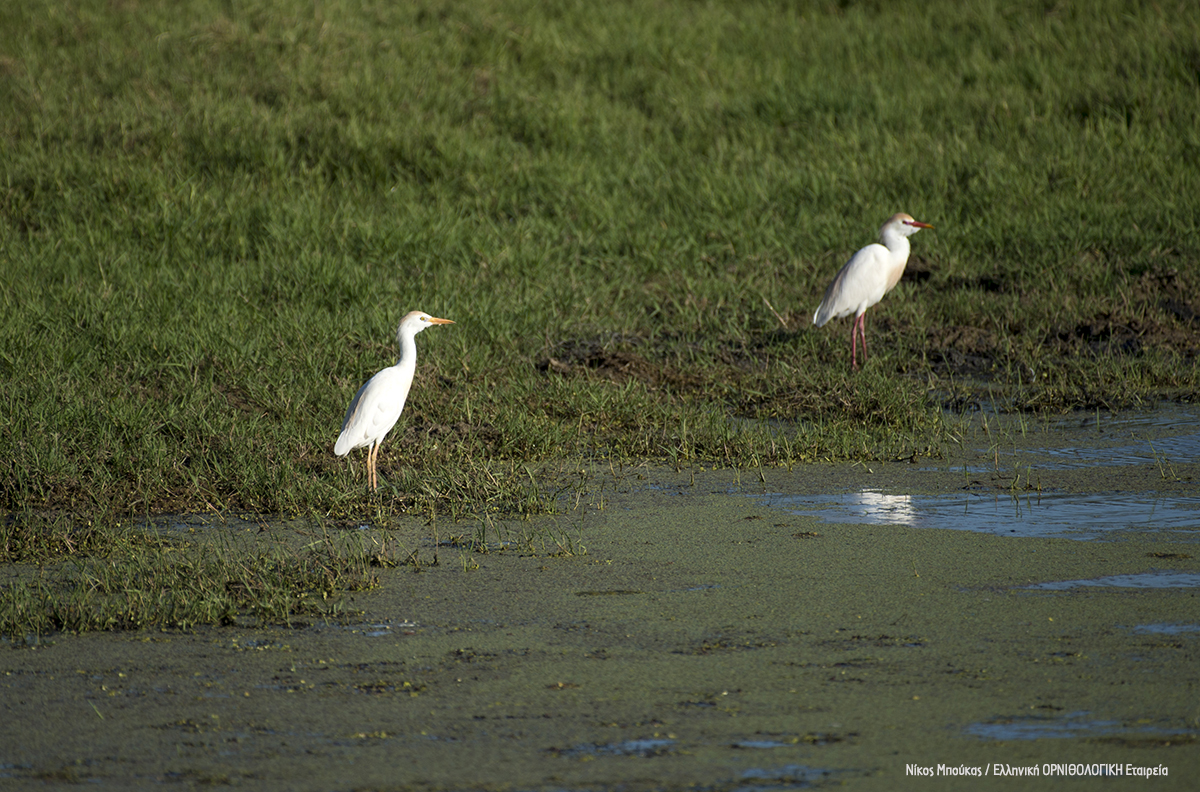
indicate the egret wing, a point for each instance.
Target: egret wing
{"x":373,"y":411}
{"x":858,"y":285}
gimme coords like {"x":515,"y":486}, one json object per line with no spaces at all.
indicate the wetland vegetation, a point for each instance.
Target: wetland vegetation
{"x":213,"y":215}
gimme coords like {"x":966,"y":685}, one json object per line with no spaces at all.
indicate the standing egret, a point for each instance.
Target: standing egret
{"x":378,"y":404}
{"x":869,"y":274}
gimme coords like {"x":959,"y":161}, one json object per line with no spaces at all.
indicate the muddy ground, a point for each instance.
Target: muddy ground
{"x":706,"y":640}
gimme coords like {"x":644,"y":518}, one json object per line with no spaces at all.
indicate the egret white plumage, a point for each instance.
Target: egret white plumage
{"x":378,"y":404}
{"x":869,"y":274}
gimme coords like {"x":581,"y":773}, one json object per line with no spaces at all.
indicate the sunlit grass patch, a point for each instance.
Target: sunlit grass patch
{"x":213,"y":216}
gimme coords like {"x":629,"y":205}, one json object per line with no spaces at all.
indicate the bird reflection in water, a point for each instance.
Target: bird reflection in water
{"x":881,"y":508}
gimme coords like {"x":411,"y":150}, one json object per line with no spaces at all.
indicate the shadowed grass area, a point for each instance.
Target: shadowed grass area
{"x":214,"y":215}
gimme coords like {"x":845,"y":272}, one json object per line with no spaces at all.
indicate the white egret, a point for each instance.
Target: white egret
{"x":378,"y":404}
{"x":869,"y":274}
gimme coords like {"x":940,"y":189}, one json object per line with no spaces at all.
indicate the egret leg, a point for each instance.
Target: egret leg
{"x":371,"y":467}
{"x":375,"y":470}
{"x":375,"y":473}
{"x":862,"y":333}
{"x":853,"y":342}
{"x":857,"y":328}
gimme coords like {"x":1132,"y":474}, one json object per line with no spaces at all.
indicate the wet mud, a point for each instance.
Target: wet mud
{"x":725,"y":630}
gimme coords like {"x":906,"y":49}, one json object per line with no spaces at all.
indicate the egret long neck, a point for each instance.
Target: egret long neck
{"x":408,"y":353}
{"x":897,"y":244}
{"x":898,"y":247}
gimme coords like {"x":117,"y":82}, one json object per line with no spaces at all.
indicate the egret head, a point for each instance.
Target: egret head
{"x":416,"y":321}
{"x":902,"y":224}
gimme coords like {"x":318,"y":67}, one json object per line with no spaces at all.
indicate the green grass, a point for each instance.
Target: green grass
{"x":212,"y":217}
{"x":132,"y":579}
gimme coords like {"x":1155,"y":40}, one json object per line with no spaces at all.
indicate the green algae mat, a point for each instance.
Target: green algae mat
{"x":704,"y":640}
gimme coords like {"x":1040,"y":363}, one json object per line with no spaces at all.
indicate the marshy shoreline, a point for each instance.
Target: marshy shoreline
{"x":700,"y":637}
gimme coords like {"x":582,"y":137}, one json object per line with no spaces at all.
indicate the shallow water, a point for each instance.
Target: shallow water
{"x":1072,"y":725}
{"x":1167,"y":629}
{"x":725,"y":630}
{"x":1066,"y":514}
{"x":1157,"y":578}
{"x":1012,"y":493}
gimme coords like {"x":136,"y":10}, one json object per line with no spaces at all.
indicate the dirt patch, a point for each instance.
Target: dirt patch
{"x":1172,"y":291}
{"x":421,"y":433}
{"x":962,"y":350}
{"x":1160,"y":312}
{"x":1157,"y":311}
{"x":598,"y":358}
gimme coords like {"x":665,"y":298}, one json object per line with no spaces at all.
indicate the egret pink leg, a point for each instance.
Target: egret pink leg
{"x":862,"y":333}
{"x":854,"y":343}
{"x":858,"y":328}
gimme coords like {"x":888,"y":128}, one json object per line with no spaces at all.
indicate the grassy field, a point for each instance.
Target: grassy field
{"x":214,"y":214}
